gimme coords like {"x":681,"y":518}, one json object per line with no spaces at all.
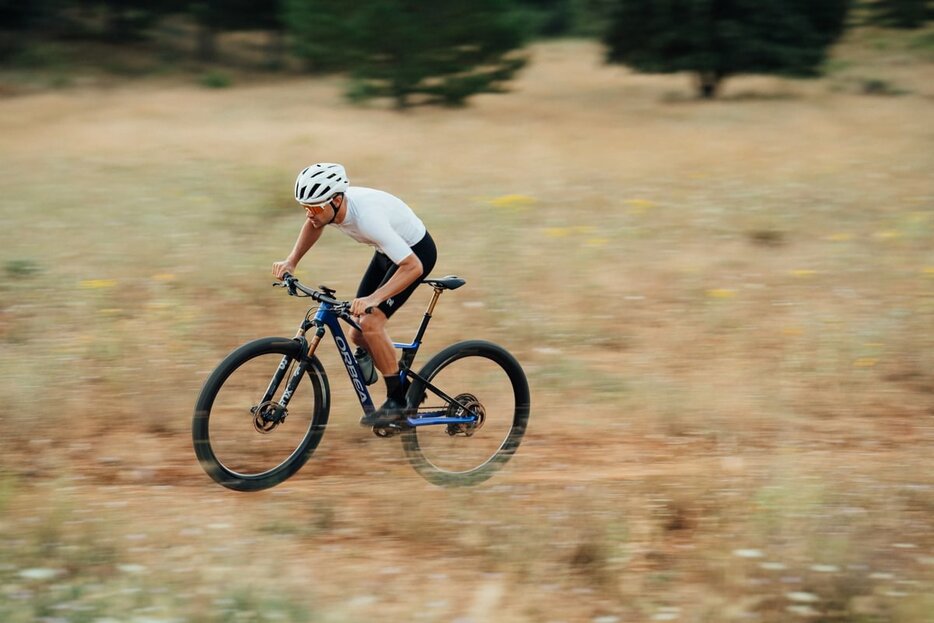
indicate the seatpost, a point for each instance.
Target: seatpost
{"x":428,"y":313}
{"x":434,"y":299}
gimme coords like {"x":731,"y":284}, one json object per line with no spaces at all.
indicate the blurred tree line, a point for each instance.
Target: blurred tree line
{"x":716,"y":39}
{"x":444,"y":51}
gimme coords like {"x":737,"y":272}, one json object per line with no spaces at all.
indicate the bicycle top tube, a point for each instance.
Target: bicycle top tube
{"x":331,"y":305}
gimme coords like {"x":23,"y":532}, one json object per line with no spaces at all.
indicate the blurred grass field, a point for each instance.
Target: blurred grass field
{"x":725,"y":310}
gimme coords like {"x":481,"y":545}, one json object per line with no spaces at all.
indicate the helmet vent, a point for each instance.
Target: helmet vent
{"x":318,"y":183}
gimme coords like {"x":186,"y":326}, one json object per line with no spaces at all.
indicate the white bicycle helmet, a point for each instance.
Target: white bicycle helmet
{"x":319,"y":182}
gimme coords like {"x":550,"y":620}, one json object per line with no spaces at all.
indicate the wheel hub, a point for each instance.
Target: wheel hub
{"x":474,"y":406}
{"x":267,"y":416}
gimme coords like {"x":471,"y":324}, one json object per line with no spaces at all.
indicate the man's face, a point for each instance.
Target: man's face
{"x":316,"y":214}
{"x":321,"y":214}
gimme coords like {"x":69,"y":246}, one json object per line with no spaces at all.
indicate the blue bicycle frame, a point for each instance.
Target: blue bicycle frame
{"x":328,"y":316}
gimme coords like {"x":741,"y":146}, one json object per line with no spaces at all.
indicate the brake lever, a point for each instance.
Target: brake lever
{"x":290,"y":287}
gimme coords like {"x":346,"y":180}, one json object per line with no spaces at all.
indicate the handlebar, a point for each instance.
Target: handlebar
{"x":291,"y":284}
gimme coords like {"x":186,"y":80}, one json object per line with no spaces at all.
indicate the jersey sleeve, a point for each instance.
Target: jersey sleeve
{"x":389,"y":242}
{"x":396,"y":249}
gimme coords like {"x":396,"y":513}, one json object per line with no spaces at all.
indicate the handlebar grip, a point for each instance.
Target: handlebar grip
{"x":369,"y":310}
{"x":289,"y":283}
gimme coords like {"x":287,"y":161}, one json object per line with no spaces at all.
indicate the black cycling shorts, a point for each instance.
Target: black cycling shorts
{"x":381,"y":269}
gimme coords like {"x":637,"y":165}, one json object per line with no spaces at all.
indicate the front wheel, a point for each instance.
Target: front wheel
{"x":242,"y":436}
{"x":490,"y":383}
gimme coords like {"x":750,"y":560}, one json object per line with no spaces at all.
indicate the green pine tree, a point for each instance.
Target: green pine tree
{"x":902,"y":13}
{"x":318,"y":32}
{"x":716,"y":39}
{"x":442,"y":51}
{"x":216,"y":16}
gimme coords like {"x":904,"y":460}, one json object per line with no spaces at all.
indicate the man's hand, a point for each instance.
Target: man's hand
{"x":359,"y":306}
{"x":283,"y":267}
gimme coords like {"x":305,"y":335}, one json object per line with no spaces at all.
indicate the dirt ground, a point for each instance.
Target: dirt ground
{"x":725,"y":311}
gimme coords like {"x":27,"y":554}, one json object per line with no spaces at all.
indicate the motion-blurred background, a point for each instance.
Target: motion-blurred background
{"x":705,"y":228}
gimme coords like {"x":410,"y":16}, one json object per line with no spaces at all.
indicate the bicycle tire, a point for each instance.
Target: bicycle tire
{"x":201,"y":429}
{"x":518,"y":383}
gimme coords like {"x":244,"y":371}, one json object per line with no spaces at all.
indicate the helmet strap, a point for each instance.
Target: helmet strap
{"x":335,"y":209}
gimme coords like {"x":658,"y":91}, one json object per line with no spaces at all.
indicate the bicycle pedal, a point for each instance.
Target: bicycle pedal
{"x":390,"y":430}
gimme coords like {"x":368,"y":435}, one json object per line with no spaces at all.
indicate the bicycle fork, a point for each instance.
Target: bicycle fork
{"x":269,"y":414}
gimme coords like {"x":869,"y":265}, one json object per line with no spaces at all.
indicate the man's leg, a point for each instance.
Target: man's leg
{"x":378,"y":342}
{"x":373,"y":278}
{"x":374,"y":332}
{"x":384,"y":356}
{"x":357,"y":338}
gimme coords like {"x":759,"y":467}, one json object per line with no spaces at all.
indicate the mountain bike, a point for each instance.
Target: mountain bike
{"x":262,"y":412}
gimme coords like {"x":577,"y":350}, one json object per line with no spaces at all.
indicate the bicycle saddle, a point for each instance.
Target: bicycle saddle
{"x":451,"y":282}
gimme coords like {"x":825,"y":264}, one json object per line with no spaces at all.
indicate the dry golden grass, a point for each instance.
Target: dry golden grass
{"x":726,"y":312}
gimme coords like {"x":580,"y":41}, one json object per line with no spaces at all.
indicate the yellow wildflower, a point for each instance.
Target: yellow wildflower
{"x":888,"y":234}
{"x":163,"y":277}
{"x":97,"y":284}
{"x":512,"y":202}
{"x":640,"y":206}
{"x":557,"y":232}
{"x":721,"y":293}
{"x":865,"y":362}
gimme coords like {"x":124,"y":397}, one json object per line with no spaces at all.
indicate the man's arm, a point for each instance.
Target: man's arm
{"x":307,"y":237}
{"x":409,"y":270}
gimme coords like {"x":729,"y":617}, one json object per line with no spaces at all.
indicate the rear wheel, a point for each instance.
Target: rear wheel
{"x":484,"y":381}
{"x":246,"y":443}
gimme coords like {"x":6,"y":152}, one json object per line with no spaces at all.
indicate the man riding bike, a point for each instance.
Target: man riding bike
{"x":405,"y":254}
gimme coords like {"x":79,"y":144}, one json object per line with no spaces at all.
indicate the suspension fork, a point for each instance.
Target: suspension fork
{"x":308,"y":348}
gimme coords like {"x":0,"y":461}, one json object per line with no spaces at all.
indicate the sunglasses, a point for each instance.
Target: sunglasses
{"x":316,"y":208}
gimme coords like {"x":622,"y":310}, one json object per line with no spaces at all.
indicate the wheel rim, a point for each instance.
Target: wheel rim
{"x":238,"y":441}
{"x":485,"y":387}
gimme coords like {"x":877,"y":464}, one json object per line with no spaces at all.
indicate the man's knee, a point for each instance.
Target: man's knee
{"x":374,"y":323}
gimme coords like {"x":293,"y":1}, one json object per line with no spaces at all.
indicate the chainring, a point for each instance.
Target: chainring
{"x":473,"y":405}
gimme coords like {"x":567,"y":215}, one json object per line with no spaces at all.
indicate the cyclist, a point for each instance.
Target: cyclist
{"x":405,"y":254}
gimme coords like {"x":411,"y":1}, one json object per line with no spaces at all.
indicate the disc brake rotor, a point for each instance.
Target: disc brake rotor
{"x":267,"y":416}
